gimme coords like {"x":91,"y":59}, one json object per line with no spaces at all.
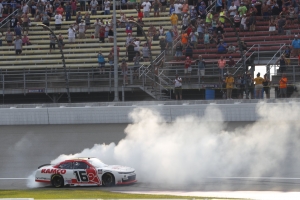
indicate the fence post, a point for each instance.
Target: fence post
{"x":46,"y":82}
{"x":88,"y":82}
{"x":3,"y":81}
{"x":131,"y":77}
{"x":24,"y":79}
{"x":294,"y":76}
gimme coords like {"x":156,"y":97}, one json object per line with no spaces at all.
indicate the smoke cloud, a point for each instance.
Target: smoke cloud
{"x":192,"y":148}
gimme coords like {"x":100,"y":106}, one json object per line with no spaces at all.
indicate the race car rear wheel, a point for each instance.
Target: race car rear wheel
{"x":57,"y":181}
{"x":108,"y":180}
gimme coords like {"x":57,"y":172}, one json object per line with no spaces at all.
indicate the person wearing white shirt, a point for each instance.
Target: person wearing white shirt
{"x":93,"y":6}
{"x":81,"y":30}
{"x":71,"y":34}
{"x":178,"y":8}
{"x":137,"y":45}
{"x":25,"y":8}
{"x":106,"y":7}
{"x":232,"y":10}
{"x":58,"y":21}
{"x":97,"y":25}
{"x":146,"y":8}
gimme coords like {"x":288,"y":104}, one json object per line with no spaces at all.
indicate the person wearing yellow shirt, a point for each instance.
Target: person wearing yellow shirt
{"x":229,"y":85}
{"x":174,"y":19}
{"x":258,"y":86}
{"x":222,"y":13}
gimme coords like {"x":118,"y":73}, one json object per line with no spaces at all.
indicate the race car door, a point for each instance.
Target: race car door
{"x":85,"y":174}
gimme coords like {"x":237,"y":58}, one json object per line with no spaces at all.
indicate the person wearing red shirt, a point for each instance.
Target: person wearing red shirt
{"x":221,"y":66}
{"x":188,"y":68}
{"x":140,"y":14}
{"x":102,"y":34}
{"x":189,"y":29}
{"x":60,"y":10}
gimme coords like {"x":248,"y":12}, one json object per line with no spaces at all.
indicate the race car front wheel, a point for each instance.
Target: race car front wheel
{"x":57,"y":181}
{"x":108,"y":179}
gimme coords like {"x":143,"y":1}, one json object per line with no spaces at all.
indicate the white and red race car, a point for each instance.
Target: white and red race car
{"x":84,"y":172}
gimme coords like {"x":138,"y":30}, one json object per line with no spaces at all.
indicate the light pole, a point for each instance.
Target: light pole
{"x":116,"y":84}
{"x":241,"y":52}
{"x":63,"y":60}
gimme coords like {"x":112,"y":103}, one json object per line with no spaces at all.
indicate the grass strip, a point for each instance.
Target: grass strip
{"x":85,"y":194}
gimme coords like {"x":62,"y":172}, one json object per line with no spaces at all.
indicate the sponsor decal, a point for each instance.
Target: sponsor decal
{"x":99,"y":171}
{"x":41,"y":178}
{"x":53,"y":171}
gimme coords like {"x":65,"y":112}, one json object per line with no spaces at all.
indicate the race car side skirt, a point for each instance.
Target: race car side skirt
{"x":43,"y":181}
{"x":126,"y":183}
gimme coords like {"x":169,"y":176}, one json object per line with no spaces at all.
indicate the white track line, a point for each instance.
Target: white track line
{"x":273,"y":178}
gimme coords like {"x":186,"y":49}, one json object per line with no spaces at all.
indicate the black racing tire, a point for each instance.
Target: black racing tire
{"x":108,"y":180}
{"x":57,"y":181}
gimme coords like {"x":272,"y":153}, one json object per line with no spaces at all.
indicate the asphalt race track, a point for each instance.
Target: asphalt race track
{"x":24,"y":148}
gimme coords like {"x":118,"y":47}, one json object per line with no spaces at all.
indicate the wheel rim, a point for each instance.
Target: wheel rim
{"x":108,"y":179}
{"x":57,"y":182}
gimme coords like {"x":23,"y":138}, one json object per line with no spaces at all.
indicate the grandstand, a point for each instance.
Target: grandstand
{"x":37,"y":70}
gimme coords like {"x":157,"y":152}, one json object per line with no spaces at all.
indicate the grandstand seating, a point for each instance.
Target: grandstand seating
{"x":83,"y":54}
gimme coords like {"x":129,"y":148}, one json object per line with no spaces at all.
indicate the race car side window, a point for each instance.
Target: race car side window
{"x":66,"y":165}
{"x":80,"y":165}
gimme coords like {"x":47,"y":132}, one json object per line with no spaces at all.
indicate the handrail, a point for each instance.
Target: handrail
{"x":212,"y":5}
{"x":268,"y":64}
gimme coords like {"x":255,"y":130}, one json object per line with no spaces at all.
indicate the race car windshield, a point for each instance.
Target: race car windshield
{"x":96,"y":162}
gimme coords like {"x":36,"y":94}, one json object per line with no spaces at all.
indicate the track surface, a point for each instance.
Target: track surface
{"x":23,"y":148}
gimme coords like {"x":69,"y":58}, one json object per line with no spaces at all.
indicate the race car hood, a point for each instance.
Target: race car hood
{"x":119,"y":168}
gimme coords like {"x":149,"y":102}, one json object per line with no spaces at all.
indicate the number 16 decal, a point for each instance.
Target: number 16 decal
{"x":81,"y":176}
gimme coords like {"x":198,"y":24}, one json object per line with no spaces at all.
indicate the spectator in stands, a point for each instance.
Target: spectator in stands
{"x":281,"y":24}
{"x":287,"y":55}
{"x":81,"y":29}
{"x":129,"y":39}
{"x":185,"y":8}
{"x":185,"y":21}
{"x":78,"y":17}
{"x":206,"y":38}
{"x":258,"y":86}
{"x":82,"y":5}
{"x":184,"y":38}
{"x":178,"y":87}
{"x":107,"y":7}
{"x":169,"y":38}
{"x":45,"y":19}
{"x":49,"y":9}
{"x":52,"y":42}
{"x":26,"y":21}
{"x":200,"y":27}
{"x":222,"y":47}
{"x":58,"y":20}
{"x":60,"y":10}
{"x":147,"y":8}
{"x":174,"y":19}
{"x":240,"y":86}
{"x":56,"y":4}
{"x":102,"y":33}
{"x":110,"y":58}
{"x":87,"y":20}
{"x":178,"y":51}
{"x":163,"y":44}
{"x":266,"y":86}
{"x":172,"y":9}
{"x":237,"y":21}
{"x":187,"y":69}
{"x":74,"y":7}
{"x":93,"y":7}
{"x":71,"y":34}
{"x":229,"y":85}
{"x":282,"y":64}
{"x":146,"y":52}
{"x":189,"y":50}
{"x":243,"y":26}
{"x":231,"y":48}
{"x":124,"y":68}
{"x":25,"y":41}
{"x":97,"y":26}
{"x":128,"y":27}
{"x":252,"y":21}
{"x":219,"y":37}
{"x":272,"y":26}
{"x":13,"y":22}
{"x":38,"y":16}
{"x":130,"y":52}
{"x":18,"y":45}
{"x":163,"y":5}
{"x":231,"y":65}
{"x":9,"y":37}
{"x":18,"y":30}
{"x":156,"y":5}
{"x":68,"y":11}
{"x":61,"y":41}
{"x":243,"y":45}
{"x":221,"y":66}
{"x":101,"y":62}
{"x":242,"y":9}
{"x":232,"y":10}
{"x":140,"y":14}
{"x":194,"y":38}
{"x":40,"y":7}
{"x":201,"y":66}
{"x":1,"y":9}
{"x":178,"y":7}
{"x":283,"y":86}
{"x":296,"y":46}
{"x":151,"y":31}
{"x":111,"y":35}
{"x":161,"y":31}
{"x":25,"y":8}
